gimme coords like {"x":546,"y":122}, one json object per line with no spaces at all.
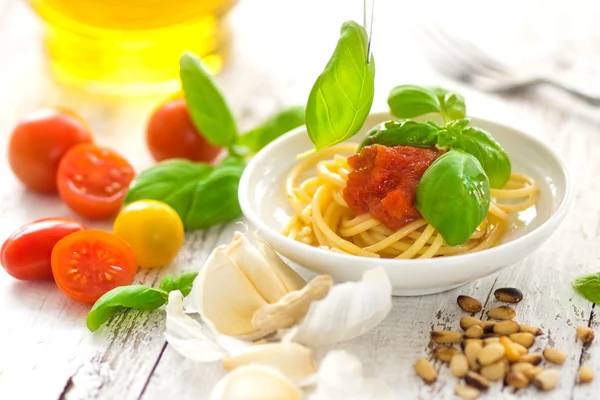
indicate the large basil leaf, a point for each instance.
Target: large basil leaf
{"x":120,"y":298}
{"x":409,"y":101}
{"x":272,"y":128}
{"x":479,"y":143}
{"x":201,"y":194}
{"x":403,"y":133}
{"x":207,"y":106}
{"x":454,"y":196}
{"x":588,"y":286}
{"x":342,"y":95}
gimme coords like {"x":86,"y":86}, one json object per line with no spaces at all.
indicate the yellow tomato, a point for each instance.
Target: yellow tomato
{"x":152,"y":229}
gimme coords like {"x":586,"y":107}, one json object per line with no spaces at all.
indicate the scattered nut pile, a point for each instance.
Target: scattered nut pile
{"x":497,"y":350}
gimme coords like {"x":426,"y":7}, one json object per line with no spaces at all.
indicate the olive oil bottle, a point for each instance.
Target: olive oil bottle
{"x":131,"y":47}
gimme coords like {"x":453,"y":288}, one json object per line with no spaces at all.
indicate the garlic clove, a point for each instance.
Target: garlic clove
{"x":292,"y":307}
{"x":227,"y":299}
{"x":256,"y":267}
{"x":291,"y":359}
{"x":288,"y":276}
{"x":255,"y":382}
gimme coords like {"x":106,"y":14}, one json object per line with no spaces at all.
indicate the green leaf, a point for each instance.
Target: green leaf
{"x":342,"y":95}
{"x":403,"y":133}
{"x":207,"y":106}
{"x":482,"y":145}
{"x":185,"y":282}
{"x":454,"y":196}
{"x":409,"y":101}
{"x":201,"y":194}
{"x":120,"y":298}
{"x":272,"y":128}
{"x":588,"y":286}
{"x":167,"y":283}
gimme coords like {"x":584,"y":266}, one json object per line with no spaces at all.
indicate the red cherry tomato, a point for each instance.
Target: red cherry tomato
{"x":89,"y":263}
{"x":26,"y":253}
{"x":93,"y":181}
{"x":38,"y":143}
{"x":171,"y":134}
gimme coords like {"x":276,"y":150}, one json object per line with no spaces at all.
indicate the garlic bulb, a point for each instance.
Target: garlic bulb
{"x":255,"y":382}
{"x":249,"y":293}
{"x":291,"y":359}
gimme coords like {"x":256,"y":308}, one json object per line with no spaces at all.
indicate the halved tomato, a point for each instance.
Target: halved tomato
{"x":87,"y":264}
{"x":93,"y":180}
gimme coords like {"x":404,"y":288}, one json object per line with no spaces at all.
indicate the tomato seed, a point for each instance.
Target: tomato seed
{"x":76,"y":277}
{"x":108,"y":276}
{"x":71,"y":271}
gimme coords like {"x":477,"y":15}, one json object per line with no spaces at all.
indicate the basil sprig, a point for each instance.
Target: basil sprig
{"x":409,"y":101}
{"x":588,"y":286}
{"x":403,"y":133}
{"x":138,"y":297}
{"x":203,"y":195}
{"x":341,"y":98}
{"x":454,"y":196}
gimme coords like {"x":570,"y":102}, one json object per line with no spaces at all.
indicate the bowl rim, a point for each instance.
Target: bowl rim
{"x":530,"y":237}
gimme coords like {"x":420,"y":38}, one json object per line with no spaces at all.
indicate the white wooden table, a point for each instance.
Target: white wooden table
{"x":46,"y":352}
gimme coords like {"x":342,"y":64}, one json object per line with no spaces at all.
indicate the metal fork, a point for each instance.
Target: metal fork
{"x":464,"y":61}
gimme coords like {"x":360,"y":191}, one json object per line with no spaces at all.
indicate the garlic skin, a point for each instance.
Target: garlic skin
{"x":248,"y":292}
{"x":255,"y":382}
{"x":293,"y":360}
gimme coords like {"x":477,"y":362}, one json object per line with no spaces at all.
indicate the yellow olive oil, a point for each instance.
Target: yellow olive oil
{"x":131,"y":47}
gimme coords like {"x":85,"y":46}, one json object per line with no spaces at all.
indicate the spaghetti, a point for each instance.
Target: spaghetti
{"x":322,"y":217}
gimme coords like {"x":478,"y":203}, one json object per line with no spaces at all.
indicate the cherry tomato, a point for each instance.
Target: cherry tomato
{"x":38,"y":143}
{"x":26,"y":253}
{"x":89,"y":263}
{"x":93,"y":180}
{"x":152,"y":229}
{"x":171,"y":134}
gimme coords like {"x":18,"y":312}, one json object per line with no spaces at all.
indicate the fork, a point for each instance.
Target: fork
{"x":464,"y":61}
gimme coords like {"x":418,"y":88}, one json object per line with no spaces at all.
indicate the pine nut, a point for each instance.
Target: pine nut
{"x":446,"y":337}
{"x":520,"y":348}
{"x":477,"y":381}
{"x":468,"y":304}
{"x":474,"y":332}
{"x":532,"y":358}
{"x":555,"y":356}
{"x":490,"y":340}
{"x":585,"y":374}
{"x":459,"y":365}
{"x":512,"y":354}
{"x":464,"y":343}
{"x":517,"y":380}
{"x":547,"y":379}
{"x":523,"y":338}
{"x":501,"y":313}
{"x":521,"y":367}
{"x":445,"y":353}
{"x":494,"y":372}
{"x":531,"y":373}
{"x":488,"y":326}
{"x":425,"y":370}
{"x":467,"y":321}
{"x":506,"y":327}
{"x":534,"y":330}
{"x":508,"y":295}
{"x":472,"y":351}
{"x":585,"y":333}
{"x":466,"y":392}
{"x":491,"y":353}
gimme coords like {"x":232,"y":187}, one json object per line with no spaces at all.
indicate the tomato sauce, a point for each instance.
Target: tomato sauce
{"x":384,"y":182}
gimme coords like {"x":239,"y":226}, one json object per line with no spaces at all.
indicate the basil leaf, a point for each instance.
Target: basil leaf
{"x":184,"y":283}
{"x":588,"y":286}
{"x":452,"y":105}
{"x":454,"y":196}
{"x":207,"y":106}
{"x":482,"y":145}
{"x":409,"y":101}
{"x":201,"y":194}
{"x":167,"y":283}
{"x":402,"y":133}
{"x":271,"y":129}
{"x":342,"y":95}
{"x":120,"y":298}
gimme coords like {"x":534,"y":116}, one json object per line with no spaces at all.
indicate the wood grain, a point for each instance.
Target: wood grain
{"x":47,"y":353}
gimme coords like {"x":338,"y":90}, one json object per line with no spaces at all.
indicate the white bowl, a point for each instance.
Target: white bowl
{"x":264,"y":202}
